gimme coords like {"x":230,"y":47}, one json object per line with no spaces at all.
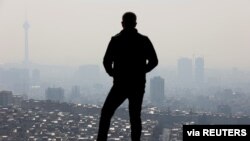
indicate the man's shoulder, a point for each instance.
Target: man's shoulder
{"x":119,"y":35}
{"x":143,"y":38}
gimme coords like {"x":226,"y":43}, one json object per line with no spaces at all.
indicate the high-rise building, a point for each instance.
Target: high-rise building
{"x":185,"y":73}
{"x":75,"y":91}
{"x":199,"y":70}
{"x":157,"y":91}
{"x":17,"y":100}
{"x":5,"y":98}
{"x":55,"y":94}
{"x":75,"y":94}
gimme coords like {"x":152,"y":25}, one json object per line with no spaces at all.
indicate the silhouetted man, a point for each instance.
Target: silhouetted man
{"x":128,"y":58}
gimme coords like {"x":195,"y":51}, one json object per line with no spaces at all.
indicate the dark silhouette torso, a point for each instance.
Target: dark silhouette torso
{"x":127,"y":55}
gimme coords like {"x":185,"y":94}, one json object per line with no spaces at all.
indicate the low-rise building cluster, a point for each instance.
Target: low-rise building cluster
{"x":50,"y":121}
{"x":34,"y":120}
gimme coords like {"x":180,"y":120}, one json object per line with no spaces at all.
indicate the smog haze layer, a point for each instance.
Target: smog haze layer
{"x":75,"y":32}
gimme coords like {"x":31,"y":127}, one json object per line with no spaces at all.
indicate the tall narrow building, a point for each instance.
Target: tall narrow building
{"x":199,"y":70}
{"x":5,"y":98}
{"x":157,"y":95}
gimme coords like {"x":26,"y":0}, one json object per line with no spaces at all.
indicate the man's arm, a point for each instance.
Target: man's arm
{"x":108,"y":58}
{"x":152,"y":60}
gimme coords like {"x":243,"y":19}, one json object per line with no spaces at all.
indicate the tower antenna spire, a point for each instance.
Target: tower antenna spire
{"x":26,"y":27}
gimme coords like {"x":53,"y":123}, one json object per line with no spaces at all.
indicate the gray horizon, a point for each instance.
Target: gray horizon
{"x":77,"y":32}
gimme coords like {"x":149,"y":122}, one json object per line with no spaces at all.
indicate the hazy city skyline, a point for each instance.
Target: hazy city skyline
{"x":77,"y":32}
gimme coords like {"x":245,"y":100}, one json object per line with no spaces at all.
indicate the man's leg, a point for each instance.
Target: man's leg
{"x":135,"y":103}
{"x":114,"y":99}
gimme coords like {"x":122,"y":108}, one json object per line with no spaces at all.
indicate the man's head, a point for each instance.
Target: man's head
{"x":129,"y":20}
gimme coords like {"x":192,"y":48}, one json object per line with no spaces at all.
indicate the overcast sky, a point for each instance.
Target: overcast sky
{"x":75,"y":32}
